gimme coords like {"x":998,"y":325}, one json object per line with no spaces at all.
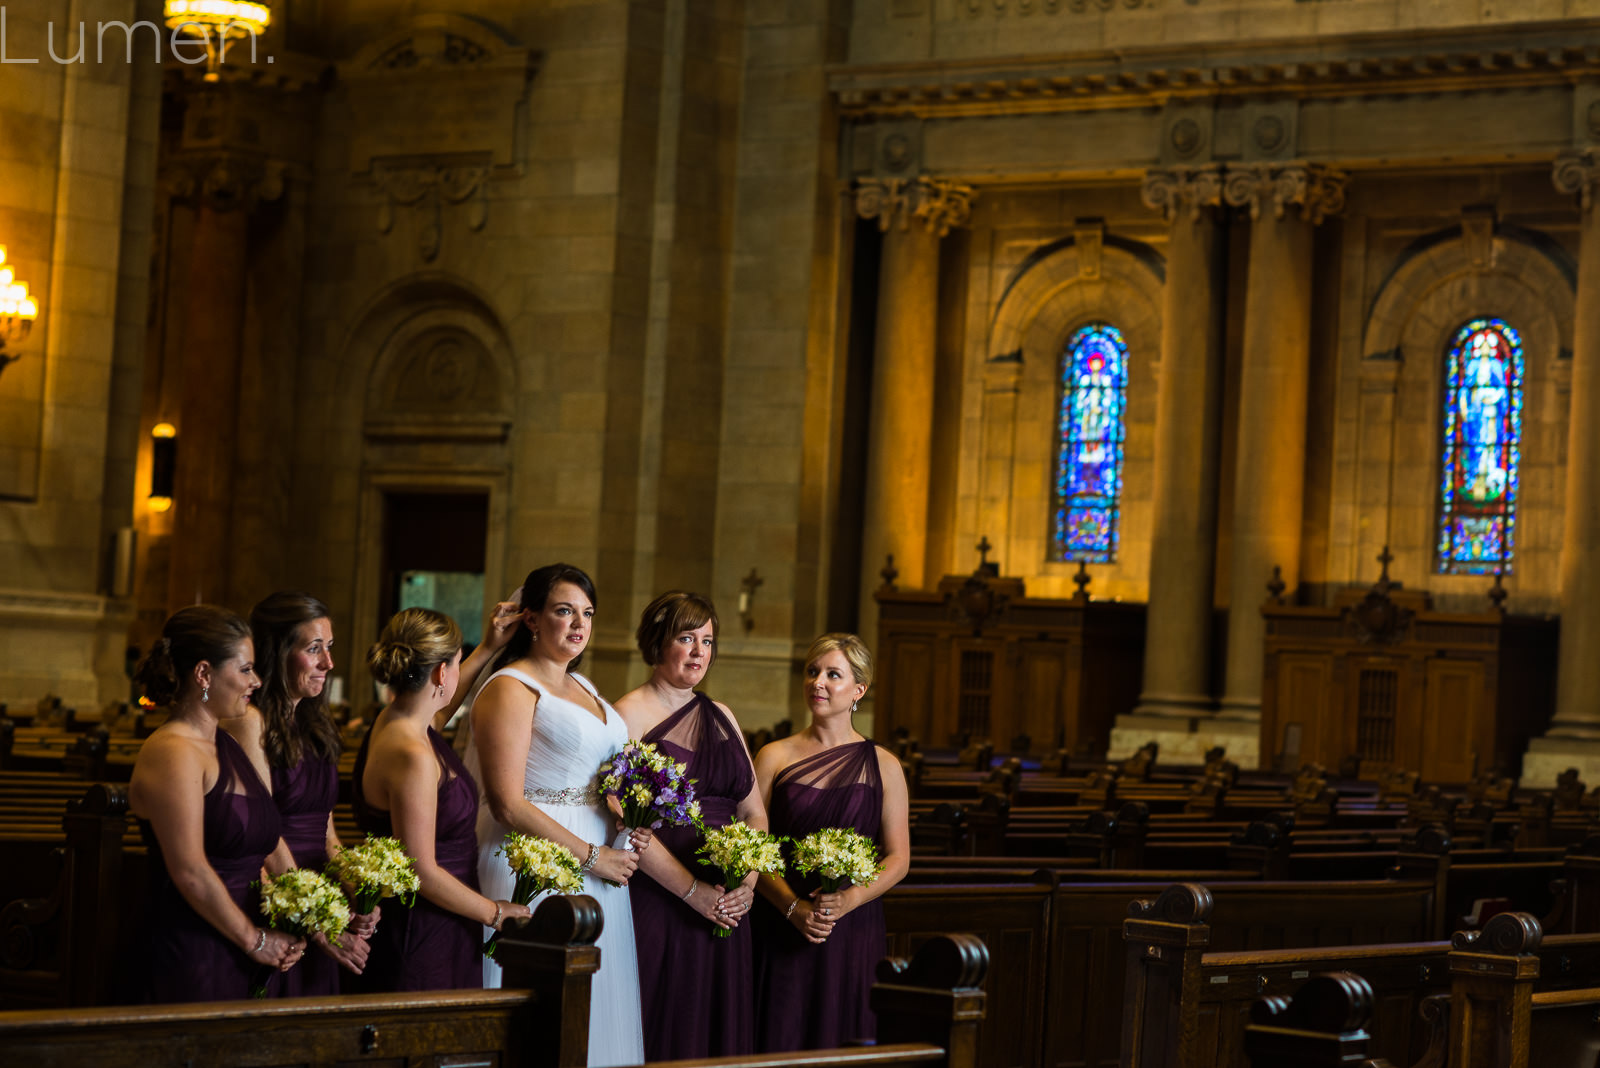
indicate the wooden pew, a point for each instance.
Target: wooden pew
{"x":929,"y":1011}
{"x":1322,"y":1026}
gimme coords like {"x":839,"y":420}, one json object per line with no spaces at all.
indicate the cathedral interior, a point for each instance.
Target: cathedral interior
{"x":1253,"y":317}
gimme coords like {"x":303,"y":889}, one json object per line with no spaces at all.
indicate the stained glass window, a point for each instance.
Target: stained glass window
{"x":1482,"y":447}
{"x":1087,"y":484}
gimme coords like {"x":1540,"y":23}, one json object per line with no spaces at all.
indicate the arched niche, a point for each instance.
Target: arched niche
{"x":1442,"y":282}
{"x":1057,"y":288}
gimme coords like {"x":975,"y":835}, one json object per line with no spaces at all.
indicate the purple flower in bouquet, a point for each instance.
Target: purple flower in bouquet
{"x":651,"y":789}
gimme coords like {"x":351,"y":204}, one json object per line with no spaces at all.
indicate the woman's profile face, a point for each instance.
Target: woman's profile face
{"x":562,"y":626}
{"x":233,"y":681}
{"x":310,"y":659}
{"x":686,"y":657}
{"x":830,"y":684}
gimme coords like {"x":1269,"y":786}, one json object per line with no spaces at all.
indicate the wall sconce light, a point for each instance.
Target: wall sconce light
{"x":17,"y":310}
{"x":163,"y":465}
{"x":747,"y":593}
{"x":215,"y":23}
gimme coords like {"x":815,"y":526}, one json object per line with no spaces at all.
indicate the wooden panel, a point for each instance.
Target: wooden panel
{"x":1302,"y":712}
{"x":1043,"y":693}
{"x":1453,"y":713}
{"x":911,"y":667}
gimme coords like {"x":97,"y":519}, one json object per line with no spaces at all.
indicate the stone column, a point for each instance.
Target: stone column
{"x":1285,"y":201}
{"x":1183,"y":535}
{"x":914,"y":215}
{"x":1578,"y":670}
{"x":225,"y":188}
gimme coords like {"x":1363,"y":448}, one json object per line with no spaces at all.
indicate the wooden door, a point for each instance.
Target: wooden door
{"x":1045,"y":692}
{"x":907,"y":699}
{"x":1301,"y":726}
{"x":1454,"y":712}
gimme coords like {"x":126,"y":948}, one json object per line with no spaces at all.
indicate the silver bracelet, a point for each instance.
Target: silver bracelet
{"x":594,"y":855}
{"x":261,"y":942}
{"x":790,"y":910}
{"x":694,"y":884}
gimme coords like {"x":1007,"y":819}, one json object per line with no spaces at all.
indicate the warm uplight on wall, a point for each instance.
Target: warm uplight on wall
{"x":215,"y":23}
{"x":17,"y":309}
{"x":163,"y":465}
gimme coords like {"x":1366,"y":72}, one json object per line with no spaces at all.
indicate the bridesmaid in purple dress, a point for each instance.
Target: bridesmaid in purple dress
{"x":697,"y":990}
{"x":211,"y":814}
{"x":817,"y":952}
{"x":296,"y":737}
{"x":409,"y":783}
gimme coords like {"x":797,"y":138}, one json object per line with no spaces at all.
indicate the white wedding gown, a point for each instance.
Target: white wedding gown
{"x":568,"y":744}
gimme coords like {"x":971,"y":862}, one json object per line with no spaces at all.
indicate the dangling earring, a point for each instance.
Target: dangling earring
{"x":205,"y":693}
{"x":534,"y":636}
{"x":853,"y":707}
{"x":438,"y":691}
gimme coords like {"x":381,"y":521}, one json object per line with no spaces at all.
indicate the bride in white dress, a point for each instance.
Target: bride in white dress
{"x":539,"y":733}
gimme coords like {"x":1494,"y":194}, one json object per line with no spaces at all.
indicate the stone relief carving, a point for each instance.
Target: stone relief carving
{"x":224,"y":181}
{"x":1185,"y":137}
{"x":938,"y":205}
{"x":443,"y":370}
{"x":427,"y":188}
{"x":1477,"y":233}
{"x":1089,"y":238}
{"x":1170,"y":190}
{"x":1318,"y":191}
{"x":1576,"y":172}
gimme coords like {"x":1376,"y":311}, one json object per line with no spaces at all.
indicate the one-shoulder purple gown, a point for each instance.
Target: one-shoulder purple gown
{"x":810,"y":996}
{"x":190,"y":960}
{"x":426,"y":947}
{"x":697,"y":989}
{"x":305,"y":795}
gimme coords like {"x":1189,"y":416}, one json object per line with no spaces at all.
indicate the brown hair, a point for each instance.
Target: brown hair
{"x":201,"y":633}
{"x":289,"y":727}
{"x":670,"y":615}
{"x":536,"y":590}
{"x":855,"y":651}
{"x":414,"y":642}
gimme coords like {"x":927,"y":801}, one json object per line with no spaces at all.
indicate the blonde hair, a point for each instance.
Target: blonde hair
{"x":853,"y":649}
{"x":416,"y":641}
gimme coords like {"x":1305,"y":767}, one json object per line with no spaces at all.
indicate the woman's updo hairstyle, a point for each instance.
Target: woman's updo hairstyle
{"x":535,"y":595}
{"x":289,"y":726}
{"x":416,"y":641}
{"x":201,"y":633}
{"x":855,"y":653}
{"x":670,"y":615}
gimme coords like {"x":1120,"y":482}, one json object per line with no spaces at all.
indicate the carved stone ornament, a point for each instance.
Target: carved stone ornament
{"x":1477,"y":233}
{"x":224,"y":181}
{"x":1170,"y":190}
{"x":1089,"y":239}
{"x":1269,"y":133}
{"x":428,"y":187}
{"x":1185,"y":137}
{"x":1318,"y":191}
{"x":939,"y":205}
{"x":1576,"y":172}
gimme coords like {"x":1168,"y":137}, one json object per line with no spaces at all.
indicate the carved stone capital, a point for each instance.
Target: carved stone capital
{"x":1170,"y":190}
{"x":938,"y":205}
{"x":1577,"y":172}
{"x":1316,"y":190}
{"x":223,"y":181}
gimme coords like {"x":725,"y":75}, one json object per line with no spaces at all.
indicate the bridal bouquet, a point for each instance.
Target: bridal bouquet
{"x":842,"y":858}
{"x":739,"y":849}
{"x":378,"y":868}
{"x":302,"y":902}
{"x":651,"y":788}
{"x":539,"y":865}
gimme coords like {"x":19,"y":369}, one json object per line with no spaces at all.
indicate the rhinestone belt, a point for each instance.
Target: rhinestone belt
{"x":571,"y":795}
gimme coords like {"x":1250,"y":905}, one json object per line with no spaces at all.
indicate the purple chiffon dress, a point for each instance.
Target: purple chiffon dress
{"x":426,"y":947}
{"x":306,"y":794}
{"x":190,"y":960}
{"x":810,"y":996}
{"x":697,"y":989}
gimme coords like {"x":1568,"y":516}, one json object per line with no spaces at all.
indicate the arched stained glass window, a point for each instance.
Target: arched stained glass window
{"x":1087,"y":485}
{"x":1482,"y":447}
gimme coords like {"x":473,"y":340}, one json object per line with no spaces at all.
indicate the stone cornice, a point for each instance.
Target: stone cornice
{"x":1316,"y":190}
{"x":937,"y":205}
{"x":1500,"y":57}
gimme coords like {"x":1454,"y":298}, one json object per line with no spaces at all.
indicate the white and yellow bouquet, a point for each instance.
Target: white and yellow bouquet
{"x":301,"y":902}
{"x":739,"y":849}
{"x":840,"y":856}
{"x":539,"y":865}
{"x":378,"y":869}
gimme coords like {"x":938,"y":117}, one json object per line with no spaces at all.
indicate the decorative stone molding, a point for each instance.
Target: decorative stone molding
{"x":224,"y":181}
{"x":1000,"y":8}
{"x":1576,"y":172}
{"x":1477,"y":234}
{"x":1318,"y":191}
{"x":1170,"y":190}
{"x":1089,"y":237}
{"x":939,"y":205}
{"x":428,"y":187}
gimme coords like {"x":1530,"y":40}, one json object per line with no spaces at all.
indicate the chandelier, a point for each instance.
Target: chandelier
{"x":17,"y":309}
{"x":216,"y":22}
